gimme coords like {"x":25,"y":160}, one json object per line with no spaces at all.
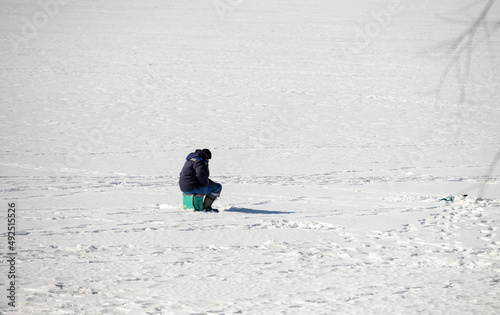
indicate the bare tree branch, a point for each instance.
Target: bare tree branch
{"x":489,"y":173}
{"x":461,"y":50}
{"x":462,"y":47}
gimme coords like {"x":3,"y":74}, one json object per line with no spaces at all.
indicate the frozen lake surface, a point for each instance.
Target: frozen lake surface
{"x":357,"y":143}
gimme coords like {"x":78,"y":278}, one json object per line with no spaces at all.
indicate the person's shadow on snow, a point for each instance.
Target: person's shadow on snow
{"x":254,"y":211}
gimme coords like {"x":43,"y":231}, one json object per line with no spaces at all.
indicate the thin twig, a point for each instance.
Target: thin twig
{"x":464,"y":45}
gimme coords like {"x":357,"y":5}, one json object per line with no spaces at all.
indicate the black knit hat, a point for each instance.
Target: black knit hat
{"x":207,"y":153}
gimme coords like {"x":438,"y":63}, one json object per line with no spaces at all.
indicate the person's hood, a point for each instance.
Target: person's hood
{"x":197,"y":154}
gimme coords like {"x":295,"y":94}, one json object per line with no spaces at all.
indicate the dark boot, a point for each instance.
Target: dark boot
{"x":207,"y":203}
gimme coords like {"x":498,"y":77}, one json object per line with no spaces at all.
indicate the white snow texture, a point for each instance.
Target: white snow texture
{"x":357,"y":143}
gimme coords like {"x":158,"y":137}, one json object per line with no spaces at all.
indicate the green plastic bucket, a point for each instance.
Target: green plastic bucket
{"x":192,"y":202}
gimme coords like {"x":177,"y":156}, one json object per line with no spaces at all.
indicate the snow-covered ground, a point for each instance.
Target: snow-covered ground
{"x":336,"y":127}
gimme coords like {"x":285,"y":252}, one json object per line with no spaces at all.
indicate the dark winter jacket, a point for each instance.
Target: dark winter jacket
{"x":195,"y":172}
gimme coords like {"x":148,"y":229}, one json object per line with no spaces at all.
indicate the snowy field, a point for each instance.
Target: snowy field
{"x":357,"y":142}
